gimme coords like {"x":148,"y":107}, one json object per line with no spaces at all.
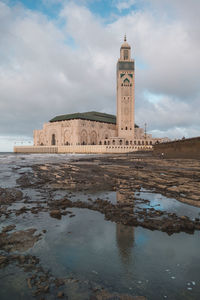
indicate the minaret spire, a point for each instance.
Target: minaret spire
{"x":125,"y":37}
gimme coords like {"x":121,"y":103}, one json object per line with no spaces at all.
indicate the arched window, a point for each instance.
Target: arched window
{"x":93,"y":138}
{"x":53,"y":139}
{"x":125,"y":54}
{"x":104,"y":142}
{"x":113,"y":142}
{"x":142,"y":142}
{"x":130,"y":142}
{"x":138,"y":142}
{"x":150,"y":142}
{"x":120,"y":142}
{"x":127,"y":143}
{"x":146,"y":142}
{"x":126,"y":128}
{"x":100,"y":143}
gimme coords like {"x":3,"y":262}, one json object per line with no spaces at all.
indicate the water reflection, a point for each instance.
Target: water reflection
{"x":125,"y":242}
{"x":124,"y":236}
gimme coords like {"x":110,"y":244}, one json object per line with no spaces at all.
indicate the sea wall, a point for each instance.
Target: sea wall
{"x":186,"y":148}
{"x":79,"y":149}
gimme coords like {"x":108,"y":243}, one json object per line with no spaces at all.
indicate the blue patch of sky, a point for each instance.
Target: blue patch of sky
{"x":71,"y":41}
{"x":141,"y":238}
{"x":140,"y":64}
{"x":51,"y":10}
{"x":153,"y":98}
{"x":108,"y":9}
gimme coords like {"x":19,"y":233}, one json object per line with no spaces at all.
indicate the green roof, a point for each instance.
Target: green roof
{"x":91,"y":115}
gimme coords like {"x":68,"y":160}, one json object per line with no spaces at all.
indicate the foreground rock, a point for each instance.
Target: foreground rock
{"x":10,"y":195}
{"x":104,"y":295}
{"x":19,"y":240}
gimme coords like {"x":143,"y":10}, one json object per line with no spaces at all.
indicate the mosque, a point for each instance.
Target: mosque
{"x":95,"y":128}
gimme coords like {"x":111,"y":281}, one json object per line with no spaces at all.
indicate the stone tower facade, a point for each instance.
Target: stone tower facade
{"x":125,"y":93}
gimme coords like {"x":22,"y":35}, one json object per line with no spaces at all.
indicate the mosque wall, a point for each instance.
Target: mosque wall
{"x":74,"y":132}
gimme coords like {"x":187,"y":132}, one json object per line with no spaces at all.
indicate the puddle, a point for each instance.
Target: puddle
{"x":170,"y":205}
{"x":120,"y":258}
{"x":140,"y":200}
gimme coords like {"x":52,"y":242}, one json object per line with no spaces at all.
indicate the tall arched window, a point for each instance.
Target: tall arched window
{"x":125,"y":54}
{"x":53,"y":139}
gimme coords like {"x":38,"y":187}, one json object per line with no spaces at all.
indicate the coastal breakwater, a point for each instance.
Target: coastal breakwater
{"x":185,"y":148}
{"x":80,"y":149}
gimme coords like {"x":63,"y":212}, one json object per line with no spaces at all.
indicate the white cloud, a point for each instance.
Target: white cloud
{"x":43,"y":75}
{"x":121,"y":5}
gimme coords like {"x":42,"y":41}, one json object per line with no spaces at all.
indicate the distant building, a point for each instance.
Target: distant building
{"x":95,"y":128}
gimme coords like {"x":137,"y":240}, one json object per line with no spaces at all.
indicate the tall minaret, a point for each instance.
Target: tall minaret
{"x":125,"y":92}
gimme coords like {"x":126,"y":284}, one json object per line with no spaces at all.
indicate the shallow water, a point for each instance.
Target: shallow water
{"x":120,"y":258}
{"x":155,"y":200}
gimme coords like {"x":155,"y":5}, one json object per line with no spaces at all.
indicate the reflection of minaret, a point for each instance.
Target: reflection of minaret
{"x":124,"y":236}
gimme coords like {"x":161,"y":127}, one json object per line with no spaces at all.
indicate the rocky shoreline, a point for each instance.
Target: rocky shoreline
{"x":126,"y":174}
{"x":123,"y":174}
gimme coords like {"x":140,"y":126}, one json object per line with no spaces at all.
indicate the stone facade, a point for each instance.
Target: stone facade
{"x":73,"y":132}
{"x":80,"y":130}
{"x":185,"y":148}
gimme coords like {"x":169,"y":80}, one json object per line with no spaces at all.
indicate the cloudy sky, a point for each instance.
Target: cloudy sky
{"x":59,"y":56}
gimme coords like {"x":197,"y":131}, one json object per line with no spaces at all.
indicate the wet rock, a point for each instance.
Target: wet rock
{"x":29,"y":283}
{"x":104,"y":295}
{"x":184,"y":218}
{"x":8,"y":228}
{"x":55,"y":213}
{"x":71,"y":216}
{"x":21,"y":211}
{"x":60,"y":294}
{"x":22,"y":259}
{"x":10,"y":195}
{"x":46,"y":289}
{"x":3,"y":260}
{"x":19,"y":240}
